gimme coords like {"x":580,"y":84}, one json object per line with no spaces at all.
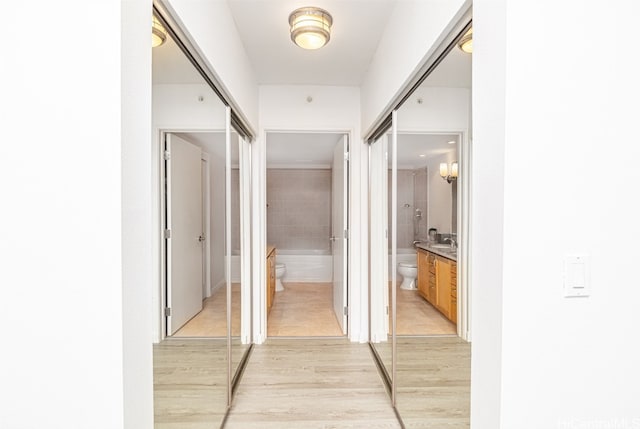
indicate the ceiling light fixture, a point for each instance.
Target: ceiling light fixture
{"x":310,"y":27}
{"x":158,"y":33}
{"x":466,"y":43}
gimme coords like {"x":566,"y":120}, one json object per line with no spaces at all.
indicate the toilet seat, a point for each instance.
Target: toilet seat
{"x":407,"y":265}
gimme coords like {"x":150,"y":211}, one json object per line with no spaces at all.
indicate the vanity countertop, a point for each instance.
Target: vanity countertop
{"x":442,"y":251}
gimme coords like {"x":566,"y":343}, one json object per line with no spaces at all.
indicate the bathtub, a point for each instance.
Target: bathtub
{"x":409,"y":256}
{"x":306,"y":266}
{"x":302,"y":266}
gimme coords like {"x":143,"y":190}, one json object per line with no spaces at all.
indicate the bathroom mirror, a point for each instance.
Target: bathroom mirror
{"x":432,"y":361}
{"x":381,"y":234}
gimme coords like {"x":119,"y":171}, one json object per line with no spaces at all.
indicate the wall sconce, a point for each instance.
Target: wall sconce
{"x":449,"y":174}
{"x":158,"y":33}
{"x":310,"y":27}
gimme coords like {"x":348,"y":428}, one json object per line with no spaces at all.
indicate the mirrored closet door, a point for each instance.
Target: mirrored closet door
{"x":432,"y":356}
{"x":382,"y":253}
{"x":203,"y":306}
{"x":419,"y":160}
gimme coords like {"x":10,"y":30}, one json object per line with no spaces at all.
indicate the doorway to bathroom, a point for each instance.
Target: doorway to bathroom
{"x":307,"y":230}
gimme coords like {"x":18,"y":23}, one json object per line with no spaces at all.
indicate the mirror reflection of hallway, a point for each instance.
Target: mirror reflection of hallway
{"x":307,"y":203}
{"x":433,"y":357}
{"x":187,"y":362}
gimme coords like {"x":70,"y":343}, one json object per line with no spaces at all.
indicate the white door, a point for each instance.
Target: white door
{"x":339,"y":233}
{"x":184,"y":222}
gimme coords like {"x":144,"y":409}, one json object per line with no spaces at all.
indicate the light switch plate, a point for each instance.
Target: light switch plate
{"x":577,"y":275}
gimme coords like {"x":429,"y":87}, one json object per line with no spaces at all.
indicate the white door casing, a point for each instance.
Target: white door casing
{"x":379,"y":265}
{"x":339,"y":233}
{"x":184,"y":221}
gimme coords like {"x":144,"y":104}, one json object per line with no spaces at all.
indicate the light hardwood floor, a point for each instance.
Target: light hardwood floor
{"x":189,"y":383}
{"x":303,"y":309}
{"x":434,"y":379}
{"x":311,"y":384}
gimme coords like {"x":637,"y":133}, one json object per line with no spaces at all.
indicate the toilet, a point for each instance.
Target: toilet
{"x":280,"y":269}
{"x":409,"y":272}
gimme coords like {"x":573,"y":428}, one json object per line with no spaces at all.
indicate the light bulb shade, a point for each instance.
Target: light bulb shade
{"x":454,"y":169}
{"x":466,"y":43}
{"x":310,"y":27}
{"x":444,"y":169}
{"x":158,"y":33}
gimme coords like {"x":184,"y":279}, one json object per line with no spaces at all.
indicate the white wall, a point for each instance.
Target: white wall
{"x":442,"y":110}
{"x":137,"y":210}
{"x":212,"y":27}
{"x":62,"y":363}
{"x":334,"y":109}
{"x":410,"y":35}
{"x":177,"y":106}
{"x":565,"y":362}
{"x":440,"y":213}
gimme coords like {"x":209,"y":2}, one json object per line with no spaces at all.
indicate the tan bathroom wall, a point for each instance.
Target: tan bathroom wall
{"x":299,"y":209}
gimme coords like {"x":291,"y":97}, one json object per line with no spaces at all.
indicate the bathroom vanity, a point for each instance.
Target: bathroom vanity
{"x":271,"y":276}
{"x":438,"y":280}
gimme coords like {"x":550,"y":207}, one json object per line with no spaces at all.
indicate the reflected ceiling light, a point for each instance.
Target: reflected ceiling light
{"x":449,"y":174}
{"x":466,"y":43}
{"x":158,"y":33}
{"x":310,"y":27}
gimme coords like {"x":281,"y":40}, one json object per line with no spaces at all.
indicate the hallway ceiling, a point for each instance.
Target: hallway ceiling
{"x":264,"y":29}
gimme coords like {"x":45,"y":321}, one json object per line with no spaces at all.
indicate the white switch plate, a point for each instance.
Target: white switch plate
{"x":577,"y":275}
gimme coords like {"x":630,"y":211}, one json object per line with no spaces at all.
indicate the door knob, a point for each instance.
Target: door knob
{"x":201,"y":238}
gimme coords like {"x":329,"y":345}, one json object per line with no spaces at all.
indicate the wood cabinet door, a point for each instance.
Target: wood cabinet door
{"x":453,"y":309}
{"x":271,"y":280}
{"x":443,"y":285}
{"x":423,"y":274}
{"x":432,"y":295}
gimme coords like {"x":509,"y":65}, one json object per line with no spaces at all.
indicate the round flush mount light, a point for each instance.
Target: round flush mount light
{"x":158,"y":33}
{"x":310,"y":27}
{"x":466,"y":43}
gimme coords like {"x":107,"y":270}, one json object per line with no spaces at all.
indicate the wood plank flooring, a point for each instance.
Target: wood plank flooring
{"x":303,"y":309}
{"x":311,"y":384}
{"x":434,"y":382}
{"x":189,"y":383}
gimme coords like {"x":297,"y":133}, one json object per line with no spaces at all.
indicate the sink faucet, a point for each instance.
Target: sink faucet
{"x":452,"y":240}
{"x":416,"y":242}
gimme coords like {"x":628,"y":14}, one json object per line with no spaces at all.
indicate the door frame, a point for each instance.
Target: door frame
{"x":259,"y":166}
{"x":346,"y":233}
{"x":158,"y":310}
{"x":463,"y":213}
